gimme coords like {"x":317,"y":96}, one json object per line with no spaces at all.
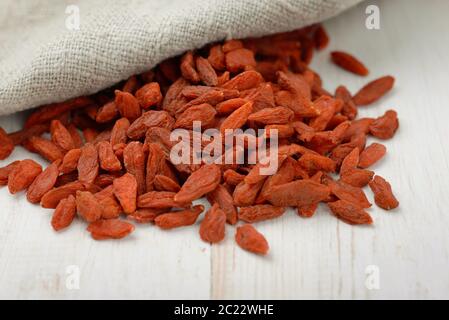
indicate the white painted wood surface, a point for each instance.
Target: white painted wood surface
{"x":309,"y":258}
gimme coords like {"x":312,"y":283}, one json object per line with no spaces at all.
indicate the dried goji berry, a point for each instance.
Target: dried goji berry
{"x":178,"y":219}
{"x":373,"y":91}
{"x":223,"y":198}
{"x":260,"y":212}
{"x":88,"y":206}
{"x":385,"y":127}
{"x":44,"y":182}
{"x":134,"y":160}
{"x":88,"y":163}
{"x":199,"y":183}
{"x":6,"y":144}
{"x":127,"y":105}
{"x":125,"y":189}
{"x":110,"y":229}
{"x":108,"y":160}
{"x":212,"y":228}
{"x":248,"y":238}
{"x":350,"y":212}
{"x":61,"y":136}
{"x":206,"y":72}
{"x":22,"y":175}
{"x":383,"y":195}
{"x":349,"y":63}
{"x":373,"y":153}
{"x":64,"y":213}
{"x":149,"y":95}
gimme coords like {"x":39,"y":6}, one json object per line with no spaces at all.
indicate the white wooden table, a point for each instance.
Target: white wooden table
{"x":310,"y":258}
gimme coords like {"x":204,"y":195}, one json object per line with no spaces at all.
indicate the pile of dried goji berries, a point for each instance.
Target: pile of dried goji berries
{"x":109,"y":153}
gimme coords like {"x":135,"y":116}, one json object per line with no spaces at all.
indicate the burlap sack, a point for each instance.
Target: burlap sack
{"x":44,"y":57}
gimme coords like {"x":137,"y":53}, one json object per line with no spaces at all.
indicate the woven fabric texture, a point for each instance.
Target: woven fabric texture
{"x":44,"y":58}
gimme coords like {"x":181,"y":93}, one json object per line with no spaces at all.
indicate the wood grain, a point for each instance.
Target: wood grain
{"x":319,"y":257}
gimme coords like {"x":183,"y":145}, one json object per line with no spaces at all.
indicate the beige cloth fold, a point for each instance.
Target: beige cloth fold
{"x":43,"y":61}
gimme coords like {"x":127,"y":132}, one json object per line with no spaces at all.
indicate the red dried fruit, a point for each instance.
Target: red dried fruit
{"x":22,"y":175}
{"x":385,"y":127}
{"x":88,"y":206}
{"x":188,"y":68}
{"x":131,"y":85}
{"x":61,"y":136}
{"x":217,"y":58}
{"x":237,"y":119}
{"x":307,"y":211}
{"x":43,"y":183}
{"x":232,"y":177}
{"x":70,"y":161}
{"x":349,"y":108}
{"x":298,"y":193}
{"x":163,"y":183}
{"x":260,"y":212}
{"x":349,"y":193}
{"x":383,"y":195}
{"x":278,"y":115}
{"x":321,"y":38}
{"x":357,"y":177}
{"x":144,"y":215}
{"x":160,"y":200}
{"x":245,"y":194}
{"x":64,"y":213}
{"x":127,"y":105}
{"x":373,"y":91}
{"x":110,"y":229}
{"x":349,"y":63}
{"x":204,"y":113}
{"x":373,"y":153}
{"x":245,"y":80}
{"x":51,"y":111}
{"x":118,"y":134}
{"x":326,"y":107}
{"x":223,"y":198}
{"x":125,"y":189}
{"x":240,"y":59}
{"x":258,"y":83}
{"x":107,"y":112}
{"x":134,"y":160}
{"x":285,"y":174}
{"x":88,"y":163}
{"x":5,"y":171}
{"x":55,"y":195}
{"x":6,"y":144}
{"x":314,"y":162}
{"x":212,"y":228}
{"x":149,"y":95}
{"x":206,"y":72}
{"x":350,"y":212}
{"x":248,"y":238}
{"x":46,"y":148}
{"x":109,"y":205}
{"x":108,"y":160}
{"x":149,"y":119}
{"x":199,"y":183}
{"x":350,"y":162}
{"x":229,"y":106}
{"x":178,"y":219}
